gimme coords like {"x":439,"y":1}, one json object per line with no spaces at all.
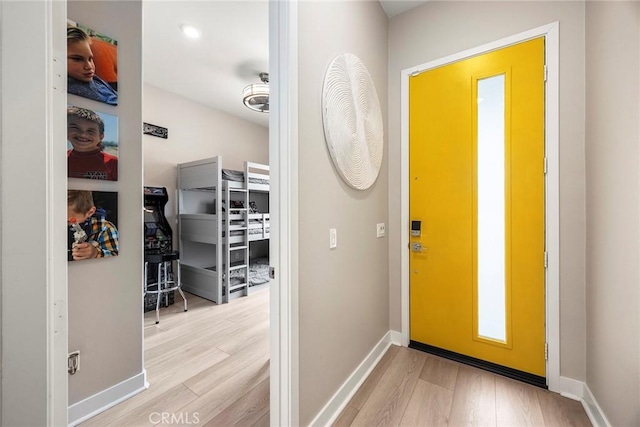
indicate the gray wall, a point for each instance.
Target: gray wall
{"x":613,"y":208}
{"x":105,"y":295}
{"x":195,"y":132}
{"x":343,"y":292}
{"x":438,"y":29}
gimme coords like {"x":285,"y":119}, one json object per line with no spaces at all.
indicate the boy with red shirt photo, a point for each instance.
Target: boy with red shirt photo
{"x":85,"y":132}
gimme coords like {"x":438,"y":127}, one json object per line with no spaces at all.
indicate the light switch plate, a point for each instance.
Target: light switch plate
{"x":333,"y":238}
{"x":380,"y":229}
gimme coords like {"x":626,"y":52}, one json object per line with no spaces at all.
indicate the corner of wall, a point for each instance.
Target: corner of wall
{"x":593,"y":410}
{"x":330,"y":412}
{"x":101,"y":401}
{"x":578,"y":390}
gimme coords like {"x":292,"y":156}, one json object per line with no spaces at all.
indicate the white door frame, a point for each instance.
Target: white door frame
{"x":34,"y":186}
{"x":283,"y":249}
{"x":551,"y":33}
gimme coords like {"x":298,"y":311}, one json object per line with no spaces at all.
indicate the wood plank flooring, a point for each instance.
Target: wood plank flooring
{"x":207,"y":366}
{"x":210,"y":367}
{"x":412,"y":388}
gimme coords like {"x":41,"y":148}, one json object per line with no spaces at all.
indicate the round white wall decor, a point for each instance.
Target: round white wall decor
{"x":352,"y":121}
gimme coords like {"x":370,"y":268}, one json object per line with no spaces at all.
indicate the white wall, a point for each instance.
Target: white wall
{"x":105,"y":295}
{"x":195,"y":132}
{"x":438,"y":29}
{"x":343,"y":292}
{"x":613,"y":208}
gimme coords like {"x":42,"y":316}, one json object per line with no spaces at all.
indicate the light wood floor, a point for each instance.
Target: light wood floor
{"x":208,"y":366}
{"x":412,"y":388}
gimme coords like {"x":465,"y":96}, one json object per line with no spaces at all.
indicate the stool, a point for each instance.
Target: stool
{"x":164,"y":284}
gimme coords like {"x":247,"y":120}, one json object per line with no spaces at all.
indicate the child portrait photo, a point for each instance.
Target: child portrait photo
{"x":92,"y":64}
{"x":92,"y":144}
{"x":92,"y":218}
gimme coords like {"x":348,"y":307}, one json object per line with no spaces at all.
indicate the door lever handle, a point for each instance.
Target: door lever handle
{"x":417,"y":247}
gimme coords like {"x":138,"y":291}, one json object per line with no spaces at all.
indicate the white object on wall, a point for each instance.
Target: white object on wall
{"x":352,"y":121}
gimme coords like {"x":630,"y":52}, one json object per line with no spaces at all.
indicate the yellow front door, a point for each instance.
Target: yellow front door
{"x":476,"y":132}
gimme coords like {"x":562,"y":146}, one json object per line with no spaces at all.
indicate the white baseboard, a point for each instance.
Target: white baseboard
{"x":573,"y":389}
{"x":593,"y":410}
{"x":99,"y":402}
{"x":396,"y":337}
{"x":339,"y":400}
{"x":578,"y":390}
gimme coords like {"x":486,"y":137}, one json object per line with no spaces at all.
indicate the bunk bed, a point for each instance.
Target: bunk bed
{"x":217,"y":221}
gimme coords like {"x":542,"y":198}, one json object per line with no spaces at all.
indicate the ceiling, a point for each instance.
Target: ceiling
{"x":233,"y":49}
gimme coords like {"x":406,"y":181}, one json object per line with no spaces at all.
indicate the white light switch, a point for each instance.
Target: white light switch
{"x":333,"y":238}
{"x":380,"y":229}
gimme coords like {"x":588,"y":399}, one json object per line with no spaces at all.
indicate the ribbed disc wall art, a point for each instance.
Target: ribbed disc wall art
{"x":352,"y":121}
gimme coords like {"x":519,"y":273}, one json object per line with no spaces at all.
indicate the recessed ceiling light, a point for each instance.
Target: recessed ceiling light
{"x":190,"y":31}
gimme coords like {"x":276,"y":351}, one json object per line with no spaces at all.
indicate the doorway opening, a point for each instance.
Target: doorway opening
{"x":223,"y":342}
{"x":214,"y":355}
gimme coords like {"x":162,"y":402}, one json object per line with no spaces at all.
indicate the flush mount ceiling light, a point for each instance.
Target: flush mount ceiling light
{"x":256,"y":96}
{"x":190,"y":31}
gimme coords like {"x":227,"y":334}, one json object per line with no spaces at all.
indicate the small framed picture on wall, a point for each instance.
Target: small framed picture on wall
{"x":92,"y":64}
{"x":92,"y":144}
{"x":92,"y":224}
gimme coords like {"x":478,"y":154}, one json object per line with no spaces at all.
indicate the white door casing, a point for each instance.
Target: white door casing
{"x":34,"y":183}
{"x":283,"y":245}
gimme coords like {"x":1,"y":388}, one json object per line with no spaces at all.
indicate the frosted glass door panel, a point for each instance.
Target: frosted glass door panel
{"x":491,"y":209}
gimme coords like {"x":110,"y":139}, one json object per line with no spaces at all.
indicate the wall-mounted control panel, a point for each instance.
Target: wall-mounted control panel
{"x":416,"y":228}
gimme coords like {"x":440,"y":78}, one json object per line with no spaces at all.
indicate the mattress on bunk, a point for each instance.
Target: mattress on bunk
{"x":258,"y":180}
{"x":235,"y":276}
{"x":258,"y":272}
{"x":235,"y":279}
{"x":234,"y":175}
{"x":233,"y":233}
{"x":258,"y":230}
